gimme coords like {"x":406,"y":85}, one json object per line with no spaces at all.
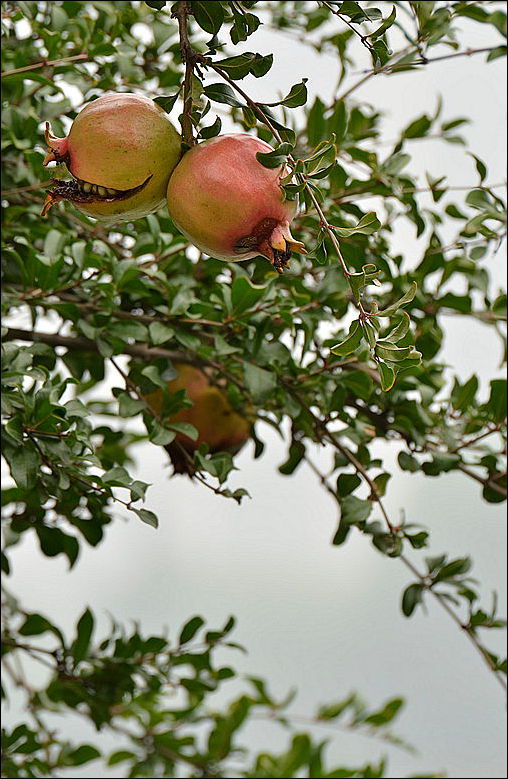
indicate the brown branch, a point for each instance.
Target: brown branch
{"x":486,"y":482}
{"x":29,"y":188}
{"x":79,"y":343}
{"x":427,"y":60}
{"x":46,"y":64}
{"x":189,"y":58}
{"x":359,"y":193}
{"x":324,"y":434}
{"x":363,"y":38}
{"x":474,"y":440}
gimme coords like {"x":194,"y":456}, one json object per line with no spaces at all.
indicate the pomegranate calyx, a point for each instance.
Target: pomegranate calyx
{"x":58,"y":147}
{"x":78,"y":191}
{"x":272,"y":240}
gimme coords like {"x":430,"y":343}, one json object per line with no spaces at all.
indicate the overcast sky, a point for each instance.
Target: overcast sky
{"x":325,"y":619}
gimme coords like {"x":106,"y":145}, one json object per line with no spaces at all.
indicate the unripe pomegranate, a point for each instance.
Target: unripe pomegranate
{"x":121,"y":151}
{"x":229,"y":205}
{"x":217,"y":423}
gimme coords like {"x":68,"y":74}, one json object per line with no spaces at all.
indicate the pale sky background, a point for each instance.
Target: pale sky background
{"x":326,"y":620}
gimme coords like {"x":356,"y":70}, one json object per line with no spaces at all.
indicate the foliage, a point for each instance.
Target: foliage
{"x":121,"y":685}
{"x":346,"y":344}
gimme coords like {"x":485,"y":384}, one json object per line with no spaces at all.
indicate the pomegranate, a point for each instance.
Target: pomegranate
{"x":121,"y":151}
{"x":229,"y":205}
{"x":217,"y":423}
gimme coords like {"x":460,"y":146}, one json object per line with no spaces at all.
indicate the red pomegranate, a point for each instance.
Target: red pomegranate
{"x":121,"y":151}
{"x":211,"y":413}
{"x":229,"y":205}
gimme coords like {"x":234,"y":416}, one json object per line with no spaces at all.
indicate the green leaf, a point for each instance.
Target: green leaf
{"x":35,"y":624}
{"x":245,"y":294}
{"x":167,"y":102}
{"x":407,"y":462}
{"x":347,"y":483}
{"x":209,"y":16}
{"x":396,"y":163}
{"x":367,"y":225}
{"x":222,"y":93}
{"x":249,"y":117}
{"x":185,"y":428}
{"x":275,"y":158}
{"x":391,"y":352}
{"x":499,"y":51}
{"x":81,"y":755}
{"x":334,"y":710}
{"x":359,"y":383}
{"x":158,"y":434}
{"x":128,"y":406}
{"x":406,"y":298}
{"x":341,"y":533}
{"x":400,"y":329}
{"x":351,"y":343}
{"x":452,"y":569}
{"x":212,"y":130}
{"x":387,"y":375}
{"x":381,"y":481}
{"x":160,"y":333}
{"x":355,"y":510}
{"x":441,"y":462}
{"x":85,"y":626}
{"x":388,"y":22}
{"x":411,"y":598}
{"x":24,"y":465}
{"x":385,"y":715}
{"x":245,"y":64}
{"x":297,"y":95}
{"x":418,"y":128}
{"x":244,"y":25}
{"x":260,"y":382}
{"x":417,"y":540}
{"x":190,"y":629}
{"x":120,"y":757}
{"x":148,"y":517}
{"x":316,"y":123}
{"x":497,"y":402}
{"x":463,"y":396}
{"x":295,"y":456}
{"x":480,"y":167}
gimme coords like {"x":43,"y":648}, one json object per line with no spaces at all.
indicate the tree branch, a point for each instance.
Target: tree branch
{"x":426,"y":61}
{"x":188,"y":54}
{"x":79,"y":343}
{"x":325,"y":435}
{"x":46,"y":64}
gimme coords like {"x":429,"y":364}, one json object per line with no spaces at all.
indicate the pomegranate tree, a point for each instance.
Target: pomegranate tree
{"x":229,"y":205}
{"x":217,"y":423}
{"x":121,"y":151}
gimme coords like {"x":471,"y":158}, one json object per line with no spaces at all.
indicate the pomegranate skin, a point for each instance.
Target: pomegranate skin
{"x":121,"y":149}
{"x":229,"y":205}
{"x":217,"y":423}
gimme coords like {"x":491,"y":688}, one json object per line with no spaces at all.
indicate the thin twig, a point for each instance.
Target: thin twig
{"x":363,"y":38}
{"x":360,"y":193}
{"x":325,"y":435}
{"x":393,"y":68}
{"x":485,"y":482}
{"x":46,"y":64}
